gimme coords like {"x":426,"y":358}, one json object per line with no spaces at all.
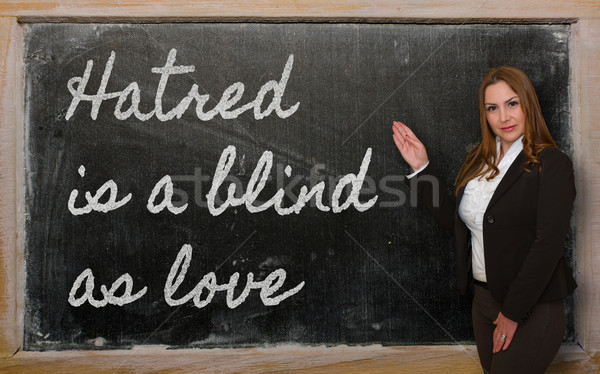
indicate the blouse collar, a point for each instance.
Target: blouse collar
{"x":513,"y":151}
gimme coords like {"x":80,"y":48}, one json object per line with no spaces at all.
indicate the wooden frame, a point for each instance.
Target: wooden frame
{"x":584,"y":15}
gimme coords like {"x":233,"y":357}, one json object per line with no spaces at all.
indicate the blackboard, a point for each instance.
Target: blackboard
{"x":379,"y":272}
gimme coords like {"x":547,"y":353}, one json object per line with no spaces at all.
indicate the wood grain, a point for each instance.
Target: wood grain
{"x":283,"y":359}
{"x":587,"y":159}
{"x":425,"y":9}
{"x":9,"y":83}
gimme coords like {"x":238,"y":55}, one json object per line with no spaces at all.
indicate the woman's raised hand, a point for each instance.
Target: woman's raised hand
{"x":410,"y":146}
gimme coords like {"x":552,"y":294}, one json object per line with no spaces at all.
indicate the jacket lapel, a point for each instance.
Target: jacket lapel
{"x":512,"y":174}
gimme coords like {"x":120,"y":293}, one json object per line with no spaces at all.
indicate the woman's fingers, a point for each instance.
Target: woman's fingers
{"x":501,"y":344}
{"x":405,"y":148}
{"x":415,"y":143}
{"x":410,"y":147}
{"x":397,"y":126}
{"x":407,"y":133}
{"x":398,"y":134}
{"x":403,"y":136}
{"x":503,"y":333}
{"x":400,"y":129}
{"x":410,"y":133}
{"x":400,"y":144}
{"x":498,"y":341}
{"x":509,"y":338}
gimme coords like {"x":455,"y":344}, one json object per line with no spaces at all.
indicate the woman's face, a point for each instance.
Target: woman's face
{"x":504,"y":113}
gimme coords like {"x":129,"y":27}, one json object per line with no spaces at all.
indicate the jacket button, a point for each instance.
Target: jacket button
{"x":490,"y":219}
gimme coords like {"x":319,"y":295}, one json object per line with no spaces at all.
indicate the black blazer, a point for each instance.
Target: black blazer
{"x":524,"y":231}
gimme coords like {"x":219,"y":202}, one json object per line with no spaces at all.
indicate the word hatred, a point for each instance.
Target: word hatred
{"x":231,"y":96}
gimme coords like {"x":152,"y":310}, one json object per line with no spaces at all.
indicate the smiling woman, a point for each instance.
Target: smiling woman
{"x":504,"y":114}
{"x":510,"y":216}
{"x":521,"y":115}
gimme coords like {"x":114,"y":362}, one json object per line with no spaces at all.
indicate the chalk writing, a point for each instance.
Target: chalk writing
{"x":204,"y":291}
{"x":271,"y":284}
{"x":268,"y":287}
{"x":230,"y":97}
{"x":166,"y":184}
{"x":94,"y":203}
{"x":255,"y":186}
{"x":109,"y":295}
{"x":259,"y":178}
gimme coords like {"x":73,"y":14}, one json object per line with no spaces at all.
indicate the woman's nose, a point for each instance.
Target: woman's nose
{"x":504,"y":116}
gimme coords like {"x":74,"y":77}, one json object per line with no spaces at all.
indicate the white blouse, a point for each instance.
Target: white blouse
{"x":477,"y":196}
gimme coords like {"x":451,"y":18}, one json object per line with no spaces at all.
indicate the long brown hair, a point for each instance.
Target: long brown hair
{"x":536,"y":137}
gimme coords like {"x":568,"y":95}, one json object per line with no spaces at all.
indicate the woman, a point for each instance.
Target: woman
{"x":510,"y":214}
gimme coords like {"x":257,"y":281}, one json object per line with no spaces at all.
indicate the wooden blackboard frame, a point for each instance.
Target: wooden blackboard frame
{"x":584,"y":16}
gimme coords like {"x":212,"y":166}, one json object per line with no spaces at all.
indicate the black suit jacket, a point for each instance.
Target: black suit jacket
{"x":524,"y":231}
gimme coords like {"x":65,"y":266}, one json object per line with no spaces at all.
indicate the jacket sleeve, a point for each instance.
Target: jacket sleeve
{"x":556,"y":193}
{"x":439,"y":201}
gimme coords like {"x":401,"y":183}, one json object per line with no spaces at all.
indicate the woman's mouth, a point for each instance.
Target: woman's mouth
{"x":508,"y":128}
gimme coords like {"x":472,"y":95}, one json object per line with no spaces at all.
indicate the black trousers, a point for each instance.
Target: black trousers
{"x":534,"y":344}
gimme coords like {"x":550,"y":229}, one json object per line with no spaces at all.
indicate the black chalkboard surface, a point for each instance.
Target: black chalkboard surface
{"x":237,"y":184}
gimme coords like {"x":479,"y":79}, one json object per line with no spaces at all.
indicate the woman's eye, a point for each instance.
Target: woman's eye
{"x":513,"y":104}
{"x":491,"y":108}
